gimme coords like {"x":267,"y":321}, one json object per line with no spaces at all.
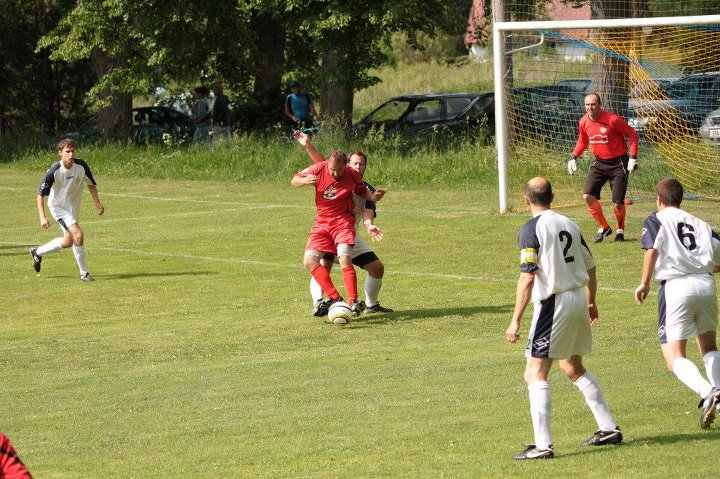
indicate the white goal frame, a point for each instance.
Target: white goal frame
{"x":499,"y":66}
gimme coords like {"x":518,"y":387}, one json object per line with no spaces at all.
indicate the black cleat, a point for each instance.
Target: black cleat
{"x":708,"y":406}
{"x":532,"y":452}
{"x":619,"y":235}
{"x":376,"y":308}
{"x":602,"y":233}
{"x":35,"y":259}
{"x":357,"y":308}
{"x":604,"y":438}
{"x":322,"y":306}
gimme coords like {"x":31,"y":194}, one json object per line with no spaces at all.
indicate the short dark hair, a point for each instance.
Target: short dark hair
{"x":360,"y":154}
{"x":539,"y":192}
{"x":65,"y":142}
{"x":670,"y":192}
{"x":293,"y":84}
{"x":203,"y":90}
{"x":338,"y":155}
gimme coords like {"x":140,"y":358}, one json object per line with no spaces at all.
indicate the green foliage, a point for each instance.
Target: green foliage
{"x":438,"y":47}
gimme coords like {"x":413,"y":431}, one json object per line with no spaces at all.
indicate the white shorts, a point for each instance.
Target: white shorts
{"x":560,"y":327}
{"x":66,"y":221}
{"x":687,"y":307}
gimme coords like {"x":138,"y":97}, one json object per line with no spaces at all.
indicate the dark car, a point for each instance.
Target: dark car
{"x":550,"y":112}
{"x":689,"y":100}
{"x":151,"y":124}
{"x":431,"y":113}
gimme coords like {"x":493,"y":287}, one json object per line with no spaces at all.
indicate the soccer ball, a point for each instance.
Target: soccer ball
{"x":340,"y":313}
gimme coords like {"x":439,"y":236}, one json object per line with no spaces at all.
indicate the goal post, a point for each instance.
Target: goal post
{"x":661,"y":74}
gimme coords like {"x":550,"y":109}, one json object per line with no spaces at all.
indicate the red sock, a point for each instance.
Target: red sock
{"x":350,"y":281}
{"x":322,"y":276}
{"x":619,"y":211}
{"x":596,"y":212}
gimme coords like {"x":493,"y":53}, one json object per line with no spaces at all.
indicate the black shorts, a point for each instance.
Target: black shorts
{"x":615,"y":170}
{"x":360,"y":261}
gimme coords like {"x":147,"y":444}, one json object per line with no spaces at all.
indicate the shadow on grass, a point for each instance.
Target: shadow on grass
{"x":712,"y":435}
{"x":156,"y":274}
{"x":15,"y":249}
{"x":419,"y":314}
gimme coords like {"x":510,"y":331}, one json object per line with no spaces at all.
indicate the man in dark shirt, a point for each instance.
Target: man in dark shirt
{"x":221,"y":114}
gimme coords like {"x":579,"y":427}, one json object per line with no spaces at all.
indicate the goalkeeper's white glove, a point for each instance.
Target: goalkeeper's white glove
{"x":632,"y":164}
{"x":572,"y":166}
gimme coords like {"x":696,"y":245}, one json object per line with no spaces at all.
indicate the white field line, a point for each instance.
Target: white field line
{"x":298,"y":266}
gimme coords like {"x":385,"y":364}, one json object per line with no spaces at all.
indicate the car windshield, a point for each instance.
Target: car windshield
{"x":389,"y":112}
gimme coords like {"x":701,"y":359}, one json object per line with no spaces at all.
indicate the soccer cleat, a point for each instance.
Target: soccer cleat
{"x":604,"y":438}
{"x":602,"y":233}
{"x":619,"y":235}
{"x":35,"y":259}
{"x":86,"y":277}
{"x":708,"y":406}
{"x":357,"y":308}
{"x":376,"y":308}
{"x":532,"y":452}
{"x":322,"y":306}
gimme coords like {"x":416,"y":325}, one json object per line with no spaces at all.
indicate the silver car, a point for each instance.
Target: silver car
{"x":710,"y":128}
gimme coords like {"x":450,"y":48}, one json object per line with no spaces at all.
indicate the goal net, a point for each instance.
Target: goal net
{"x":661,"y":74}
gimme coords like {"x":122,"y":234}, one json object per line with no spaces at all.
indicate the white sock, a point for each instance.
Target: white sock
{"x":589,"y":387}
{"x":540,"y":402}
{"x":79,"y":252}
{"x":316,"y":291}
{"x":712,"y":367}
{"x":690,"y":376}
{"x":372,"y":290}
{"x":51,"y":247}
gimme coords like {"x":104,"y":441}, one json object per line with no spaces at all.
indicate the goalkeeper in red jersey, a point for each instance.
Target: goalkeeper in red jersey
{"x":607,"y":134}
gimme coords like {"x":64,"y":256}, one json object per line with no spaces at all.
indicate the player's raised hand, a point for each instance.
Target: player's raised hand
{"x":641,"y":293}
{"x":301,"y":138}
{"x":374,"y":231}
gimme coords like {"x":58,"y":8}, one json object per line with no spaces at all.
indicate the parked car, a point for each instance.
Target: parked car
{"x":689,"y":100}
{"x":151,"y":124}
{"x":431,"y":113}
{"x":550,"y":111}
{"x":710,"y":128}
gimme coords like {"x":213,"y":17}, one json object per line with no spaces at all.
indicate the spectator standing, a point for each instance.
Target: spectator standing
{"x":299,"y":106}
{"x":201,"y":115}
{"x":220,"y":114}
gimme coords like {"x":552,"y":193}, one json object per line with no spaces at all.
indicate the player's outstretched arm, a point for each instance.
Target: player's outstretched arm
{"x":643,"y":289}
{"x":300,"y":180}
{"x":304,"y":140}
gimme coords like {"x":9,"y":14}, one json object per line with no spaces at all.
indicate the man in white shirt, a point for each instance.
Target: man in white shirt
{"x":557,"y":272}
{"x":684,"y":252}
{"x":62,"y":185}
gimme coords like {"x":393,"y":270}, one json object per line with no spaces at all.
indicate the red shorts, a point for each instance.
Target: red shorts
{"x":327,"y":233}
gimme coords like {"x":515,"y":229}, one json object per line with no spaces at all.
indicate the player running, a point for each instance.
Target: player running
{"x":558,"y":272}
{"x":684,"y":252}
{"x":362,"y":253}
{"x":63,"y":187}
{"x":334,"y":228}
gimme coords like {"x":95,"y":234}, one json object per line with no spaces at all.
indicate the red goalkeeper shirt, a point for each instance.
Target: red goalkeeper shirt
{"x":333,"y":197}
{"x":606,"y":135}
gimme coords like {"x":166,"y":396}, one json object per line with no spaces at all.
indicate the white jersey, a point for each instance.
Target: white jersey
{"x":552,"y":247}
{"x":64,"y":187}
{"x":685,"y":244}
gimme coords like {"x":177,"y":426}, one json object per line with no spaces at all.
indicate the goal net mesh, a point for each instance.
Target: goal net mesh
{"x":664,"y":81}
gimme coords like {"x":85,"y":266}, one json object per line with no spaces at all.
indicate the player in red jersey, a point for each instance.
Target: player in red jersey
{"x":11,"y":467}
{"x":334,"y":227}
{"x":606,"y":132}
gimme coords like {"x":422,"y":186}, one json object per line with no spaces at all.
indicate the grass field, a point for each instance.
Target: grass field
{"x":193,"y":354}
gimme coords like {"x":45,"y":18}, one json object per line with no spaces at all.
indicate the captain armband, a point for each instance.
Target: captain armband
{"x":528,"y":255}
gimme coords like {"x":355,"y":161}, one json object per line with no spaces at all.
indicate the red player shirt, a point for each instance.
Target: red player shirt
{"x":333,"y":197}
{"x":11,"y":467}
{"x":606,"y":135}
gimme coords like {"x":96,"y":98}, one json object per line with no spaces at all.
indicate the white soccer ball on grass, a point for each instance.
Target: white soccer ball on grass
{"x":340,"y":313}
